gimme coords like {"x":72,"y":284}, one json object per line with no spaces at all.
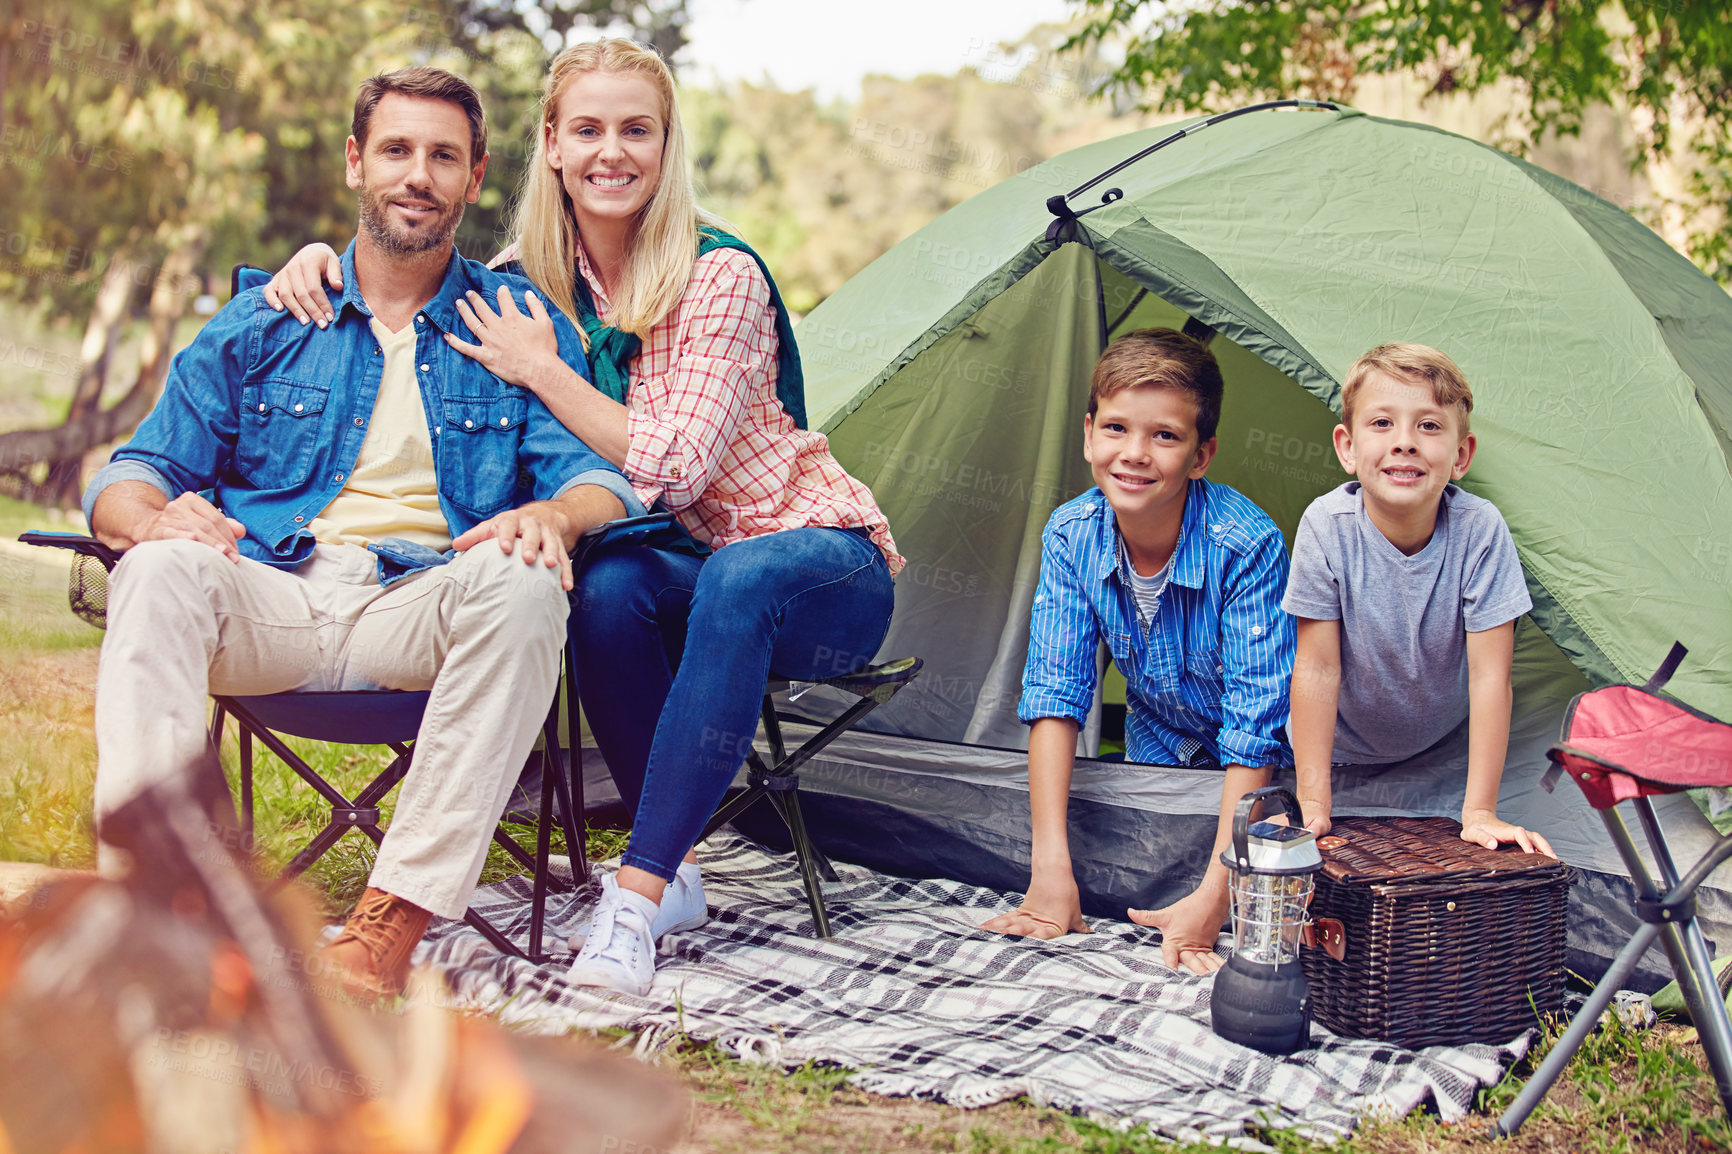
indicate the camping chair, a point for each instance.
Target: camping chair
{"x":355,"y":717}
{"x":778,"y":783}
{"x":374,"y":717}
{"x":1628,"y":743}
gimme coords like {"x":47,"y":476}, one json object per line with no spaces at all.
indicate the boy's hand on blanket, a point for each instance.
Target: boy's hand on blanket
{"x":1483,"y":827}
{"x":1188,"y":928}
{"x":1049,"y":910}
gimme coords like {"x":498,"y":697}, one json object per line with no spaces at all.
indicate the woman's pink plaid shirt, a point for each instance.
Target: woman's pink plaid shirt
{"x":708,"y":436}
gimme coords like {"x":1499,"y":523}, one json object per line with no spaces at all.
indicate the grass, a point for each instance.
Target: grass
{"x":1624,"y":1092}
{"x":47,"y":665}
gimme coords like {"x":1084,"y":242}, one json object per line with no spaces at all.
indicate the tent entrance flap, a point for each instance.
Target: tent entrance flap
{"x":972,"y":445}
{"x":968,"y":449}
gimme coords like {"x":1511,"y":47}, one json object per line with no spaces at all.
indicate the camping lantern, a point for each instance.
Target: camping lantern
{"x":1260,"y":998}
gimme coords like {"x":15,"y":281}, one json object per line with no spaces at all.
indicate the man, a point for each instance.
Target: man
{"x":345,"y":463}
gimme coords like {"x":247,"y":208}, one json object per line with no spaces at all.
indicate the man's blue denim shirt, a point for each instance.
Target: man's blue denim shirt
{"x":269,"y":416}
{"x":1211,"y":677}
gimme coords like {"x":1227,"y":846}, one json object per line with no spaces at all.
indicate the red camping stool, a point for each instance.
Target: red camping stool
{"x":1628,"y":743}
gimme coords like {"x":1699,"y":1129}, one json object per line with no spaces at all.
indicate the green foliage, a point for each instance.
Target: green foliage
{"x":130,"y":128}
{"x":823,"y":190}
{"x":1668,"y":65}
{"x":126,"y":127}
{"x":658,"y":23}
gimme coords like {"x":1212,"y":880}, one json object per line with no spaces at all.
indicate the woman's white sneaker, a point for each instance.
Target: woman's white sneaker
{"x":683,"y":904}
{"x":618,"y":951}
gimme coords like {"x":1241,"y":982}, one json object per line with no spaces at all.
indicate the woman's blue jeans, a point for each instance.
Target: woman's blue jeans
{"x":673,"y":652}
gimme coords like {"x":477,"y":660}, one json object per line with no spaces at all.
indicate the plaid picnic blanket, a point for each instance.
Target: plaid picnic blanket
{"x":916,"y":1000}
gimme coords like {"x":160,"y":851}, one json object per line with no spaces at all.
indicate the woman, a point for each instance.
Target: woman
{"x":675,"y":649}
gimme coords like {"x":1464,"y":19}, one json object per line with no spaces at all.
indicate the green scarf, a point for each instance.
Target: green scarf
{"x":611,"y":351}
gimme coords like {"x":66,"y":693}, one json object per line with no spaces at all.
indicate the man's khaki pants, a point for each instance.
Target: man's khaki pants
{"x":484,"y":633}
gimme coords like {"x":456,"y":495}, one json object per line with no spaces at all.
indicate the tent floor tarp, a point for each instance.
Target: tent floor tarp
{"x":908,"y":999}
{"x":1139,"y":834}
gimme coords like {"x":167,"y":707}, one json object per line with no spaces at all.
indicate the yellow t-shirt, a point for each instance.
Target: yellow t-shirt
{"x":391,"y":492}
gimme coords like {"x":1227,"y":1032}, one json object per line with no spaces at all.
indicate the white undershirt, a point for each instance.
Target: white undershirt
{"x":392,"y":491}
{"x":1146,"y":590}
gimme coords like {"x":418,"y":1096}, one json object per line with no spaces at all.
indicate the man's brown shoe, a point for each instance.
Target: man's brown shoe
{"x":372,"y":952}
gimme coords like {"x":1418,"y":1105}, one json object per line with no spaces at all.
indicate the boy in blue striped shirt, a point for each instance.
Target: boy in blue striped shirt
{"x":1182,"y":579}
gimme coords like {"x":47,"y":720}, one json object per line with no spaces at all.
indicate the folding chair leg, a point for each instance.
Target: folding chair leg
{"x":822,"y":862}
{"x":366,"y":799}
{"x":1688,"y":953}
{"x":730,"y":810}
{"x":781,"y":783}
{"x":562,"y":773}
{"x":571,"y":782}
{"x":1701,"y":994}
{"x":787,"y":802}
{"x":773,"y":732}
{"x":1685,"y":949}
{"x":312,"y":852}
{"x":500,"y":942}
{"x":524,"y":859}
{"x":804,"y":847}
{"x":246,"y":783}
{"x":543,"y":841}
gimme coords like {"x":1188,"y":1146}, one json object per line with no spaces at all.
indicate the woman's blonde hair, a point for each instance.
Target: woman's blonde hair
{"x":664,"y":243}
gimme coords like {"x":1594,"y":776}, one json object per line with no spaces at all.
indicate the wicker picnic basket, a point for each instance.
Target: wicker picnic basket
{"x":1445,"y":942}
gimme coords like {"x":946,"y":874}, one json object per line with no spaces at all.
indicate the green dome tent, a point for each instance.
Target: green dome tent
{"x":952,"y":376}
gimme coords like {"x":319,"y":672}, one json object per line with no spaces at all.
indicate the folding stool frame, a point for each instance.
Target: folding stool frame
{"x":1667,"y":909}
{"x":780,"y":783}
{"x":254,"y":720}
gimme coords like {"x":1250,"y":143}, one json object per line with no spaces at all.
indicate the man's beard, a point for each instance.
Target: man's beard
{"x":398,"y":240}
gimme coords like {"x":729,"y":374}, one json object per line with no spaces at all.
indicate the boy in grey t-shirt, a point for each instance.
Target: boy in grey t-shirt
{"x":1406,"y":591}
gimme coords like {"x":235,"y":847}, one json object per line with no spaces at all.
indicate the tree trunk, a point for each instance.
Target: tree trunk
{"x":102,"y":333}
{"x":65,"y":445}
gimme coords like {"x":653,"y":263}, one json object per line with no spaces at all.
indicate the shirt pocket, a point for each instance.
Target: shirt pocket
{"x":1122,"y":646}
{"x":478,"y":452}
{"x":1206,"y":668}
{"x":280,"y":429}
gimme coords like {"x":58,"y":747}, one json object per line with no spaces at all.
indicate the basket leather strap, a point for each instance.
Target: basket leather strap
{"x":1328,"y":933}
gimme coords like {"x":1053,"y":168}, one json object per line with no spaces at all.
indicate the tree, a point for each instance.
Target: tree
{"x":134,"y":145}
{"x":822,"y":190}
{"x":1667,"y":64}
{"x":661,"y":24}
{"x":145,"y":148}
